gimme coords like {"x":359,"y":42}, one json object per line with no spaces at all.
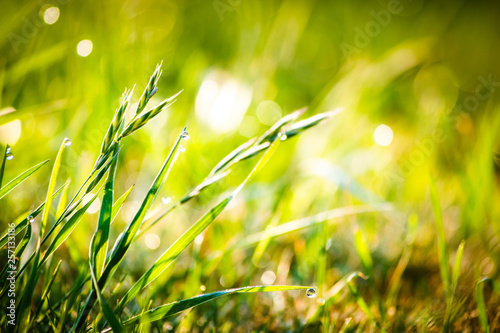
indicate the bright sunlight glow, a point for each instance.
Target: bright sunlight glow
{"x":383,"y":135}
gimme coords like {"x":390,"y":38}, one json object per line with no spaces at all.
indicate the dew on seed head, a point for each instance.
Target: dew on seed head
{"x":283,"y":137}
{"x":67,"y":142}
{"x":185,"y":135}
{"x":311,"y":292}
{"x":31,"y":219}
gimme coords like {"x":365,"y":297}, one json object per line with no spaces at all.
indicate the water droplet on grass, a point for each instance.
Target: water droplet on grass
{"x":8,"y":154}
{"x":67,"y":142}
{"x":182,"y":149}
{"x":31,"y":219}
{"x":311,"y":292}
{"x":283,"y":137}
{"x":185,"y":135}
{"x":166,"y":200}
{"x":203,"y":288}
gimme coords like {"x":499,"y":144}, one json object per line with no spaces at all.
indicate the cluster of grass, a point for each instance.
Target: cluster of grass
{"x":97,"y":273}
{"x":398,"y":237}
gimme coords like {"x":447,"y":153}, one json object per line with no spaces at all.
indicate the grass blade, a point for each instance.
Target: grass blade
{"x":67,"y":229}
{"x":26,"y":221}
{"x":182,"y":242}
{"x":7,"y":155}
{"x":19,"y":179}
{"x":481,"y":306}
{"x":179,"y":306}
{"x":442,"y":247}
{"x":52,"y":186}
{"x":363,"y":252}
{"x":99,"y":243}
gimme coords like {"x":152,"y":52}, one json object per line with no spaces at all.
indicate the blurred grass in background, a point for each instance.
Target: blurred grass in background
{"x":426,"y":71}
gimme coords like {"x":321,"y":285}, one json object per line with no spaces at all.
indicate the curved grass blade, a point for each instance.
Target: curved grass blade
{"x":67,"y":229}
{"x":454,"y":281}
{"x":363,"y":252}
{"x":19,"y":252}
{"x":4,"y":159}
{"x":481,"y":305}
{"x":19,"y":179}
{"x":106,"y":309}
{"x":99,"y":243}
{"x":182,"y":242}
{"x":52,"y":186}
{"x":442,"y":247}
{"x":179,"y":306}
{"x":119,"y":203}
{"x":26,"y":221}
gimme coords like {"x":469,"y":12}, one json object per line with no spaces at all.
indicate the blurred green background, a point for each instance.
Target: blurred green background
{"x":418,"y":82}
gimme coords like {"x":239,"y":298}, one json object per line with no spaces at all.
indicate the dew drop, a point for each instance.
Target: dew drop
{"x":166,"y":200}
{"x":283,"y":137}
{"x":31,"y":219}
{"x":185,"y":135}
{"x":203,"y":288}
{"x":311,"y":292}
{"x":182,"y":149}
{"x":67,"y":142}
{"x":8,"y":154}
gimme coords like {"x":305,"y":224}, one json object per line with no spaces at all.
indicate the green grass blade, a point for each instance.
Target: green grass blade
{"x":99,"y":243}
{"x":19,"y":179}
{"x":361,"y":302}
{"x":4,"y":159}
{"x":442,"y":247}
{"x":363,"y":252}
{"x":481,"y":306}
{"x":179,"y":306}
{"x":24,"y":306}
{"x":52,"y":186}
{"x":26,"y":221}
{"x":67,"y":229}
{"x":456,"y":267}
{"x":454,"y":282}
{"x":106,"y":309}
{"x":119,"y":203}
{"x":182,"y":242}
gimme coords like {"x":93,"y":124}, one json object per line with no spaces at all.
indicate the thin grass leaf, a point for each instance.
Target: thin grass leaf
{"x":481,"y":306}
{"x":454,"y":281}
{"x":442,"y":247}
{"x":7,"y":155}
{"x":52,"y":186}
{"x":179,"y":306}
{"x":99,"y":243}
{"x":19,"y":179}
{"x":106,"y":309}
{"x":361,"y":302}
{"x":119,"y":203}
{"x":182,"y":242}
{"x":18,"y":253}
{"x":24,"y":306}
{"x":363,"y":252}
{"x":26,"y":221}
{"x":67,"y":229}
{"x":231,"y":156}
